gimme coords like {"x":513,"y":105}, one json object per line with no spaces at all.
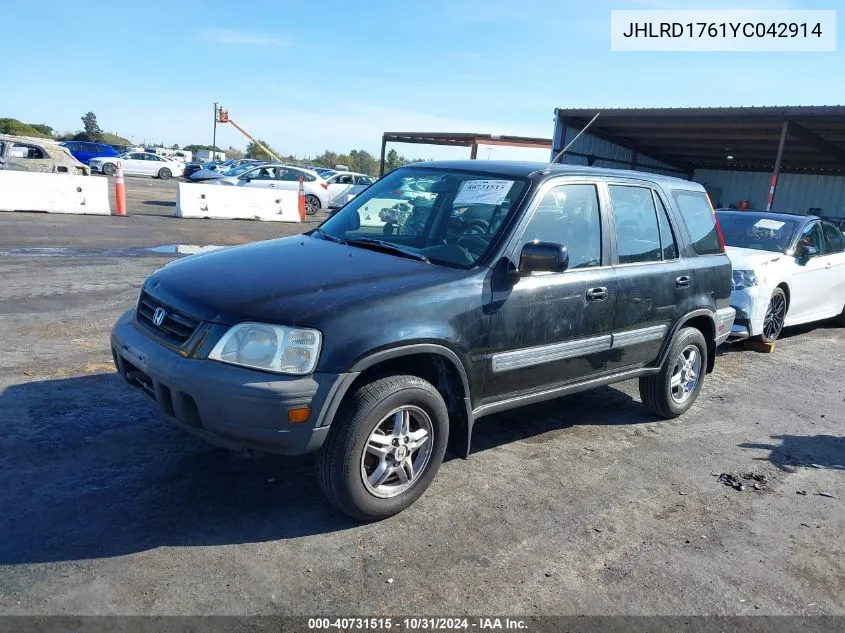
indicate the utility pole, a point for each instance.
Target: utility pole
{"x":214,"y":138}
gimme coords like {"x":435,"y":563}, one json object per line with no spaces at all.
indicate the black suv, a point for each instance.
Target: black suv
{"x":445,"y":292}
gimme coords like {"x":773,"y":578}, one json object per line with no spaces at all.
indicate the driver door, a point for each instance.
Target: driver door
{"x":339,"y":186}
{"x":552,"y":328}
{"x":134,"y":164}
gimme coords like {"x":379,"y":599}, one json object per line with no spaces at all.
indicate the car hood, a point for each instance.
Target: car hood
{"x":751,"y":259}
{"x":291,"y":281}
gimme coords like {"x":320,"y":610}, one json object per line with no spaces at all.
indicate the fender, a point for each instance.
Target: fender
{"x":460,"y":430}
{"x":711,"y":344}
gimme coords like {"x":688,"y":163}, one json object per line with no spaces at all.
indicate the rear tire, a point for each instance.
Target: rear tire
{"x":312,"y":205}
{"x":673,"y":390}
{"x":363,"y":442}
{"x":109,"y":169}
{"x":164,"y":173}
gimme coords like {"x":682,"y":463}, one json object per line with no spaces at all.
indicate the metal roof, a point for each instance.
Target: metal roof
{"x":703,"y":138}
{"x":466,"y":139}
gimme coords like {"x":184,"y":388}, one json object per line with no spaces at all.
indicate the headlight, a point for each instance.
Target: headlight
{"x":275,"y":348}
{"x":744,"y":279}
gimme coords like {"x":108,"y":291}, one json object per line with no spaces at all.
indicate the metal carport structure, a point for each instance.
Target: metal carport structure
{"x":471,"y":140}
{"x":682,"y":141}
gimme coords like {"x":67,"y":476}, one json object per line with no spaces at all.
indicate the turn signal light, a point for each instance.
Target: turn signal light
{"x":299,"y":415}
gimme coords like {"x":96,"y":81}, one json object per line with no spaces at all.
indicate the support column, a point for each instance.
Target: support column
{"x":381,"y":162}
{"x":473,"y":153}
{"x":776,"y":171}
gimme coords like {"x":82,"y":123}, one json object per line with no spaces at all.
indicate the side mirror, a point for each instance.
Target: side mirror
{"x":806,"y":252}
{"x":543,"y":257}
{"x":350,"y":222}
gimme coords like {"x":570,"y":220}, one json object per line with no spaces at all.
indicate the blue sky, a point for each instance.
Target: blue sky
{"x":309,"y":76}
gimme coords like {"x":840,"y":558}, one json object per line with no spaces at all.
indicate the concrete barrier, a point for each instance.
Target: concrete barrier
{"x":53,"y":193}
{"x":236,"y":203}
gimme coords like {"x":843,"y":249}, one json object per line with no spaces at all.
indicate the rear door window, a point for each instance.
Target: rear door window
{"x":667,"y":237}
{"x":701,"y":223}
{"x":833,"y":238}
{"x":635,"y":220}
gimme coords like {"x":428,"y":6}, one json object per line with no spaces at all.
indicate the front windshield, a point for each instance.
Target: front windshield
{"x":754,"y":230}
{"x":449,"y":217}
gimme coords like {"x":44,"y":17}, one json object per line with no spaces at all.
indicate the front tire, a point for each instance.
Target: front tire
{"x":775,"y":315}
{"x":312,"y":205}
{"x":109,"y":169}
{"x":673,"y":390}
{"x":384,"y":448}
{"x":164,"y":173}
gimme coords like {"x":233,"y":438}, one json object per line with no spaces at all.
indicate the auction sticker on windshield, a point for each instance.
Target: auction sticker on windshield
{"x":774,"y":225}
{"x":483,"y":191}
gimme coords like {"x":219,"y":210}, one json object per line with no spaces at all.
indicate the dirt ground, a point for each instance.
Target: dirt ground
{"x":583,"y":505}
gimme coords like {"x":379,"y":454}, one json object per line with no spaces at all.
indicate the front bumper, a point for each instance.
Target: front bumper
{"x":750,"y":305}
{"x":229,"y":406}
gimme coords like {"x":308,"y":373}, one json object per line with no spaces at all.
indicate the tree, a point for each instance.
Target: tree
{"x":46,"y":130}
{"x":362,"y":161}
{"x":253,"y":150}
{"x":174,"y":146}
{"x":92,"y":128}
{"x":114,"y":139}
{"x":234,"y":153}
{"x":393,"y":161}
{"x":196,"y":148}
{"x":19,"y":128}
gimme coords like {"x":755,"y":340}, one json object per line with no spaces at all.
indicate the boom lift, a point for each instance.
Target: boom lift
{"x":223,"y":117}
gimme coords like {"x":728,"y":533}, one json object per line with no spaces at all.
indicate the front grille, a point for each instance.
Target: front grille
{"x":176,"y":328}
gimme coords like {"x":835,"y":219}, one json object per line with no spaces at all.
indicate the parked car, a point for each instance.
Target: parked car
{"x":344,"y":186}
{"x":23,"y":153}
{"x":787,"y":270}
{"x":84,"y":151}
{"x":191,"y":168}
{"x":139,"y":164}
{"x":234,"y":168}
{"x":325,"y":172}
{"x":375,"y":351}
{"x":274,"y":176}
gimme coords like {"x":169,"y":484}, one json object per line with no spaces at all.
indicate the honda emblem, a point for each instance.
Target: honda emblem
{"x":158,"y":316}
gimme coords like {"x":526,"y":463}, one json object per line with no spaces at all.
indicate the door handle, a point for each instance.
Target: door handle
{"x":597,"y":294}
{"x":683,"y":281}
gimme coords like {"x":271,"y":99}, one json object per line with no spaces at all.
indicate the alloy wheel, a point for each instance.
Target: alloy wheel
{"x":397,"y":452}
{"x":773,"y":321}
{"x":686,"y":374}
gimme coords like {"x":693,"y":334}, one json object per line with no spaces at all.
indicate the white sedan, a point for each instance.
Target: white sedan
{"x":787,"y":270}
{"x":138,"y":164}
{"x":284,"y":177}
{"x":346,"y":185}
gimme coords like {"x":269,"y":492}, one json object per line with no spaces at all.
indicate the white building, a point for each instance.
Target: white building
{"x":206,"y":155}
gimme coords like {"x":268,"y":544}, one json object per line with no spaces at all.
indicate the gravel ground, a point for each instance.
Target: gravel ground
{"x":583,"y":505}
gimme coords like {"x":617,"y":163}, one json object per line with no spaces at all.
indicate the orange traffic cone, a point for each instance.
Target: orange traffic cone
{"x":119,"y":191}
{"x":301,"y":200}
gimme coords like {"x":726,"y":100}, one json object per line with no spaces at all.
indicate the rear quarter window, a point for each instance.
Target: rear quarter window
{"x":701,"y":223}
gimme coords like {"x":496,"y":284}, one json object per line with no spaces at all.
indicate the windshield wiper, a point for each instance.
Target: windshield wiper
{"x":368,"y":242}
{"x":330,"y":237}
